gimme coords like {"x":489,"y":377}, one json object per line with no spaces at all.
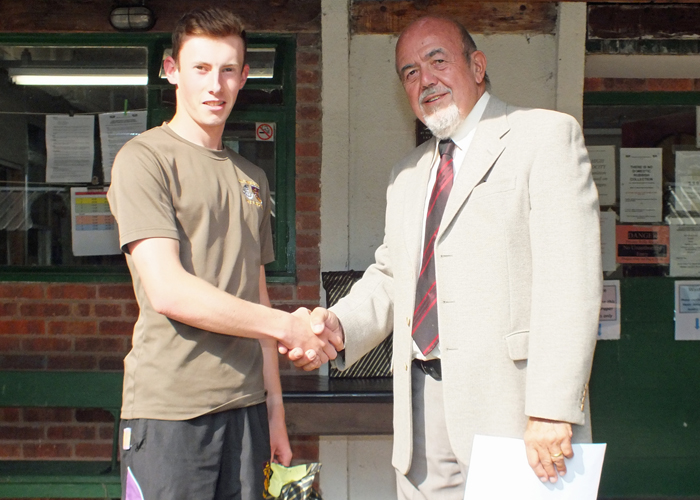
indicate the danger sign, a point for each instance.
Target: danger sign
{"x":264,"y":131}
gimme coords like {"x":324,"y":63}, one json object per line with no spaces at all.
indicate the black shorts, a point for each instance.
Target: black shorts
{"x":216,"y":456}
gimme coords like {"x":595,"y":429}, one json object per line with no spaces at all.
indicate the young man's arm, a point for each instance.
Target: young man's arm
{"x":279,"y":440}
{"x":188,"y":299}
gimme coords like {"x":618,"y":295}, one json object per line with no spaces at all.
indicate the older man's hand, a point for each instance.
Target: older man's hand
{"x":548,"y":443}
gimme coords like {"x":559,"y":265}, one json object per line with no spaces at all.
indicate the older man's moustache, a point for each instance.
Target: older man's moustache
{"x":434,"y":90}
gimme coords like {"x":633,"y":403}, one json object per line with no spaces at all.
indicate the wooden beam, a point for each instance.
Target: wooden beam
{"x":92,"y":16}
{"x":648,"y":21}
{"x":391,"y":17}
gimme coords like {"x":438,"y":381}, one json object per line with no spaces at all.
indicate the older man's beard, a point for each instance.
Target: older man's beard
{"x":442,"y":122}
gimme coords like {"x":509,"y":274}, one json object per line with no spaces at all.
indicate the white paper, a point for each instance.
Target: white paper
{"x":640,"y":185}
{"x":607,"y":240}
{"x":686,"y":197}
{"x":115,"y":130}
{"x":70,"y":148}
{"x":687,"y":310}
{"x":94,"y":229}
{"x":610,"y":309}
{"x":685,"y":247}
{"x":498,"y":469}
{"x":603,"y":170}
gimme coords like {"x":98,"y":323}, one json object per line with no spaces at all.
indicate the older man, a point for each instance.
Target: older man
{"x":492,"y":285}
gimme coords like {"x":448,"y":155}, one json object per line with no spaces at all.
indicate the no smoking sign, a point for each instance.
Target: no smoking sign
{"x":265,"y":132}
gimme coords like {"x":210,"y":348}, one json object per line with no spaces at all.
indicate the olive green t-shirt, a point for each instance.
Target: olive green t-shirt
{"x":217,"y":205}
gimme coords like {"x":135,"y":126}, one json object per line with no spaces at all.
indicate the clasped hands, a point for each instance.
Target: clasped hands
{"x":314,"y":339}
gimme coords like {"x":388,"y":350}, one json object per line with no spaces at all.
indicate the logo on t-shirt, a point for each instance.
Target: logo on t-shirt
{"x":251,"y":192}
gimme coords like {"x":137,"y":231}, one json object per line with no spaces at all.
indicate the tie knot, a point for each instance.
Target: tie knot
{"x":446,"y":147}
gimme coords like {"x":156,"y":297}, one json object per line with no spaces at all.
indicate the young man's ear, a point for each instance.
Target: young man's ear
{"x":170,"y":68}
{"x":244,"y":75}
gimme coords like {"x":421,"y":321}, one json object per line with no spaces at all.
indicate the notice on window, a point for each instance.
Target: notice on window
{"x":609,"y":326}
{"x":115,"y":130}
{"x":70,"y":148}
{"x":642,"y":245}
{"x":685,"y":247}
{"x":687,"y":313}
{"x":603,"y":170}
{"x":640,"y":185}
{"x":607,"y":240}
{"x":94,"y":229}
{"x":686,"y":197}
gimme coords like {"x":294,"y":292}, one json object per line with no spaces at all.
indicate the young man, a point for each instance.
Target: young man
{"x":194,"y":221}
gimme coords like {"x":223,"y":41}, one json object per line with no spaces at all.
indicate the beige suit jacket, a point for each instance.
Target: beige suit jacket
{"x":519,"y":280}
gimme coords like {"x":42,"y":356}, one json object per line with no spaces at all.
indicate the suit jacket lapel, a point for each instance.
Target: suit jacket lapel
{"x":486,"y":147}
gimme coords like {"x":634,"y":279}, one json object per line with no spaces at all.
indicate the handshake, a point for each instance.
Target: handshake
{"x":315,"y":337}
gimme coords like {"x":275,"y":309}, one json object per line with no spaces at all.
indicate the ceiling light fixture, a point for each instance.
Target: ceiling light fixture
{"x":132,"y":18}
{"x":74,"y":76}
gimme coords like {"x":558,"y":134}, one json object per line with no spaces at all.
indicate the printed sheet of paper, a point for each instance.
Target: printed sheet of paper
{"x":70,"y":148}
{"x":642,"y":244}
{"x":603,"y":170}
{"x":686,"y":197}
{"x":609,"y":326}
{"x":687,"y":313}
{"x":640,"y":185}
{"x":498,"y":469}
{"x":685,"y":247}
{"x":115,"y":130}
{"x":94,"y":229}
{"x":607,"y":240}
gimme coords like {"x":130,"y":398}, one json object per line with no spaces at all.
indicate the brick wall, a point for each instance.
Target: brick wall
{"x":62,"y":326}
{"x":641,"y":85}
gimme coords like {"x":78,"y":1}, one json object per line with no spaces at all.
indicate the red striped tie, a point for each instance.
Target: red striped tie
{"x":425,"y":319}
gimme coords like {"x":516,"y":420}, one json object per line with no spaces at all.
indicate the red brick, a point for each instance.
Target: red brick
{"x":131,"y":310}
{"x":625,"y":84}
{"x":311,"y":275}
{"x":308,"y":95}
{"x":100,"y":344}
{"x":696,"y":84}
{"x":70,"y":432}
{"x":118,"y":292}
{"x":306,"y":166}
{"x":308,"y":149}
{"x":93,"y":450}
{"x":72,"y":292}
{"x":106,"y":431}
{"x":308,"y":40}
{"x":281,"y":292}
{"x":309,"y":112}
{"x":8,"y":309}
{"x":81,"y":310}
{"x":308,"y":222}
{"x":9,"y":415}
{"x":93,"y":415}
{"x":306,"y":131}
{"x":44,"y":310}
{"x":116,"y":327}
{"x":72,"y":327}
{"x":108,"y":310}
{"x":308,"y":292}
{"x":9,"y":344}
{"x":305,"y":450}
{"x":22,"y":327}
{"x":593,"y":85}
{"x":669,"y":84}
{"x":72,"y":362}
{"x":44,"y":344}
{"x":21,"y":362}
{"x":21,"y":291}
{"x":308,"y":58}
{"x":308,"y":185}
{"x":308,"y":203}
{"x":111,"y":363}
{"x":48,"y":450}
{"x":24,"y":433}
{"x":309,"y":240}
{"x":308,"y":257}
{"x":48,"y":414}
{"x":9,"y":450}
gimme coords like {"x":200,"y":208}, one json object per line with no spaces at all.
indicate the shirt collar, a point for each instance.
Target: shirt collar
{"x":461,"y":135}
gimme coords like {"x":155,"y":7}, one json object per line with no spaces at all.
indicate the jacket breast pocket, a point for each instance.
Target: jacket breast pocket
{"x":518,"y":344}
{"x":489,"y":188}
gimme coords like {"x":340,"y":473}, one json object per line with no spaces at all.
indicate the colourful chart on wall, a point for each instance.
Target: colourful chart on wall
{"x":94,"y":229}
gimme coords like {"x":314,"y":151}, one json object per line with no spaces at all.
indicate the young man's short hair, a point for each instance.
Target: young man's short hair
{"x":212,"y":22}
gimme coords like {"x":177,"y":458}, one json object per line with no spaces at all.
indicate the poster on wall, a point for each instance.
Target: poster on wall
{"x":685,"y":247}
{"x":70,"y":148}
{"x":642,"y":244}
{"x":686,"y":193}
{"x":607,"y":240}
{"x":609,"y":325}
{"x":93,"y":226}
{"x":687,"y":310}
{"x":603,"y":170}
{"x":640,"y":185}
{"x":115,"y":130}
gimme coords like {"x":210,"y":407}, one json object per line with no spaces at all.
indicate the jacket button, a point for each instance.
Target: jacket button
{"x":408,"y":321}
{"x":405,"y":367}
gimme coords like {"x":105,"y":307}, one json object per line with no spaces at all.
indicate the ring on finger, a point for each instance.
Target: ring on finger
{"x":557,"y":455}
